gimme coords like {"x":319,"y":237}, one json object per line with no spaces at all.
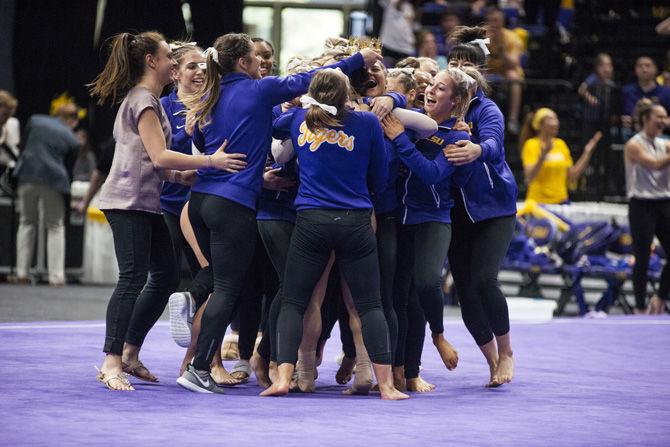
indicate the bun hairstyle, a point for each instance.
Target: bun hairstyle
{"x":643,"y":109}
{"x":125,"y":65}
{"x":221,"y":59}
{"x":405,"y":76}
{"x":463,"y":50}
{"x":461,"y":90}
{"x":409,"y":62}
{"x":330,"y":88}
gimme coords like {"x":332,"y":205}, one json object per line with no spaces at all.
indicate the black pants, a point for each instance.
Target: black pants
{"x":475,"y":255}
{"x":261,"y":282}
{"x":143,"y":248}
{"x":423,"y":249}
{"x":201,"y":278}
{"x":276,"y":237}
{"x":648,"y":218}
{"x":317,"y":233}
{"x":416,"y":334}
{"x":226,"y":233}
{"x":387,"y":247}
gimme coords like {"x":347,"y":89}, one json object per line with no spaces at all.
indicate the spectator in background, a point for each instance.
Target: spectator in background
{"x":505,"y":61}
{"x":397,"y":30}
{"x":448,"y":23}
{"x":427,"y":48}
{"x":43,"y":175}
{"x":85,"y":163}
{"x":600,"y":95}
{"x":547,"y":163}
{"x":9,"y":131}
{"x":645,"y":86}
{"x":596,"y":90}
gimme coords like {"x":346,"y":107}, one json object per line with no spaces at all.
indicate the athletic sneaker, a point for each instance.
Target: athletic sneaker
{"x":198,"y":381}
{"x":182,"y":309}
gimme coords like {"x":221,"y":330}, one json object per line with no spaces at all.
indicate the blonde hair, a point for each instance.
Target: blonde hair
{"x":8,"y":101}
{"x":461,"y":90}
{"x":532,"y":123}
{"x":643,"y":109}
{"x":327,"y":87}
{"x":477,"y":75}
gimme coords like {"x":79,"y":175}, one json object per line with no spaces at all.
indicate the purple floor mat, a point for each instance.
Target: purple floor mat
{"x":578,"y":382}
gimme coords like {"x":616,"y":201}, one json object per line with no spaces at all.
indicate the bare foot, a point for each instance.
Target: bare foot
{"x":276,"y":389}
{"x":222,"y":378}
{"x":656,"y":306}
{"x":418,"y":385}
{"x":399,"y":378}
{"x":492,"y":369}
{"x":447,"y":352}
{"x":391,"y":393}
{"x":272,"y":372}
{"x":260,"y":367}
{"x":363,"y":380}
{"x":305,"y":367}
{"x":504,"y":371}
{"x":343,"y":375}
{"x":241,"y":370}
{"x":230,"y":350}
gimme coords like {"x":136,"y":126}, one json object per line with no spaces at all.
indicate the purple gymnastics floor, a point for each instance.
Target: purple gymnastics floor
{"x":578,"y":382}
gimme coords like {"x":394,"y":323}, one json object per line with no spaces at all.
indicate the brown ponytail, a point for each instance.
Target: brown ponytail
{"x":125,"y":65}
{"x":331,"y":88}
{"x":230,"y":48}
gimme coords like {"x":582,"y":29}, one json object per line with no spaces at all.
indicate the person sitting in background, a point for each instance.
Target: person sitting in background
{"x":397,"y":31}
{"x":44,"y":180}
{"x":10,"y":134}
{"x":427,"y":48}
{"x":645,"y":86}
{"x":505,"y":61}
{"x":547,"y":163}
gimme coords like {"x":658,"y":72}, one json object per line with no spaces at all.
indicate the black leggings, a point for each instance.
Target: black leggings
{"x":648,"y":218}
{"x":143,"y":247}
{"x":475,"y":255}
{"x":226,"y":233}
{"x":387,"y":247}
{"x":201,"y":284}
{"x":261,"y":281}
{"x":317,"y":233}
{"x":276,"y":237}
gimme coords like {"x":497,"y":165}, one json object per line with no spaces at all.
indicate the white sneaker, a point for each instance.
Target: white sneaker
{"x":182,"y":309}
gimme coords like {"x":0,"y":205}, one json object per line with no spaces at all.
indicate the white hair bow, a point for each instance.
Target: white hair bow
{"x":469,"y":80}
{"x":211,"y":51}
{"x":174,"y":46}
{"x":482,"y":44}
{"x":308,"y":101}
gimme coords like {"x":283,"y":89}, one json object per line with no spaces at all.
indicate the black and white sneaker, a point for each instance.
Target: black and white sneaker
{"x":182,"y":309}
{"x":198,"y":381}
